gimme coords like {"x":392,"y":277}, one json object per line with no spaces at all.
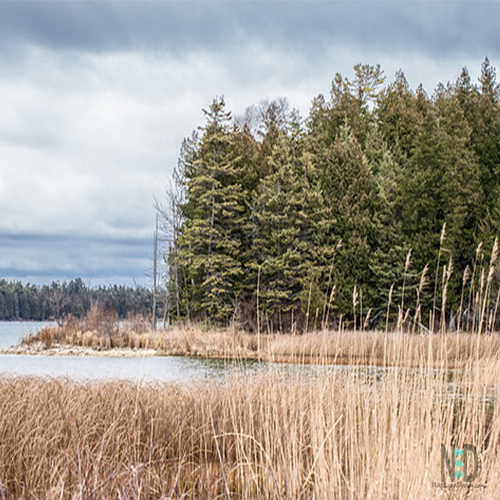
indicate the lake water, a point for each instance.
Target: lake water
{"x":148,"y":368}
{"x":145,"y":368}
{"x":11,"y":332}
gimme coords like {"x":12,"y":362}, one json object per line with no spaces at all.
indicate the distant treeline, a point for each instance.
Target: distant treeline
{"x":58,"y":300}
{"x":303,"y":219}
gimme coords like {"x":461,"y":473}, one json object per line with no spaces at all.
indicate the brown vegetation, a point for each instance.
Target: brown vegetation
{"x":348,"y":434}
{"x":100,"y":332}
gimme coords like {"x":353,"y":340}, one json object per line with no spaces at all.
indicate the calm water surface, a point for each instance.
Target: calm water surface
{"x":148,"y":368}
{"x":166,"y":368}
{"x":11,"y":332}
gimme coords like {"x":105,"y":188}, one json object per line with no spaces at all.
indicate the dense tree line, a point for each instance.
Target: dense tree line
{"x":58,"y":300}
{"x":303,"y":219}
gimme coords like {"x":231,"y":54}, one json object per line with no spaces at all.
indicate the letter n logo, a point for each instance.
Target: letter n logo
{"x":456,"y":462}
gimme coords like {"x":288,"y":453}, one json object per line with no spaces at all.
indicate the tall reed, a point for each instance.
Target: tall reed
{"x":277,"y":434}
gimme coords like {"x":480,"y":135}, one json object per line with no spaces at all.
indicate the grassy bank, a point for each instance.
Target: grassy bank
{"x":345,"y":435}
{"x":396,"y":348}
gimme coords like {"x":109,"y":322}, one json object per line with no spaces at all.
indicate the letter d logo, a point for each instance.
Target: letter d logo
{"x":469,"y":448}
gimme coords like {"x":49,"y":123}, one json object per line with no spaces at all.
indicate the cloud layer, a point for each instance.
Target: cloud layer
{"x":431,"y":27}
{"x":96,"y":98}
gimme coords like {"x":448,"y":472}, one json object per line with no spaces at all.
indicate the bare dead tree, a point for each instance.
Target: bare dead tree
{"x":155,"y":272}
{"x":265,"y":117}
{"x":170,"y":221}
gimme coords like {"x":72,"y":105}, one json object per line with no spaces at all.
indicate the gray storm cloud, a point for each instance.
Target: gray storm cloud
{"x":432,"y":27}
{"x":96,"y":97}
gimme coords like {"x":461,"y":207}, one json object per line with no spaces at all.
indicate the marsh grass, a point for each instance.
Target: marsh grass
{"x":273,"y":435}
{"x":392,"y":348}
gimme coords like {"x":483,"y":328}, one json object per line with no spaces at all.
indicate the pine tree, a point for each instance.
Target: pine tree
{"x":174,"y":213}
{"x":486,"y":139}
{"x":442,"y":186}
{"x":348,"y":189}
{"x":462,"y":197}
{"x":287,"y":213}
{"x":481,"y":108}
{"x":387,"y":262}
{"x":209,"y":245}
{"x":399,"y":120}
{"x":350,"y":104}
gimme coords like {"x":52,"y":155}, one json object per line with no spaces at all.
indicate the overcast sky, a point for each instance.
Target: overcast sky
{"x":96,"y":97}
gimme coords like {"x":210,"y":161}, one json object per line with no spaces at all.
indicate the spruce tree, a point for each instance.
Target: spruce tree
{"x":387,"y":262}
{"x":348,"y":189}
{"x":286,"y":213}
{"x":209,"y":245}
{"x":269,"y":202}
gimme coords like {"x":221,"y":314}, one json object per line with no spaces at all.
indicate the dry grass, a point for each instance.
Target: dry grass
{"x":396,"y":348}
{"x":345,"y":435}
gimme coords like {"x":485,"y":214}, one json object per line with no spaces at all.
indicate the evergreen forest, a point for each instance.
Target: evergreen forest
{"x":20,"y":301}
{"x":382,"y":193}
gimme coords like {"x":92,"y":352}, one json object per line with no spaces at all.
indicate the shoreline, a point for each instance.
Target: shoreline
{"x":349,"y":347}
{"x":338,"y":359}
{"x":70,"y":350}
{"x":38,"y":349}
